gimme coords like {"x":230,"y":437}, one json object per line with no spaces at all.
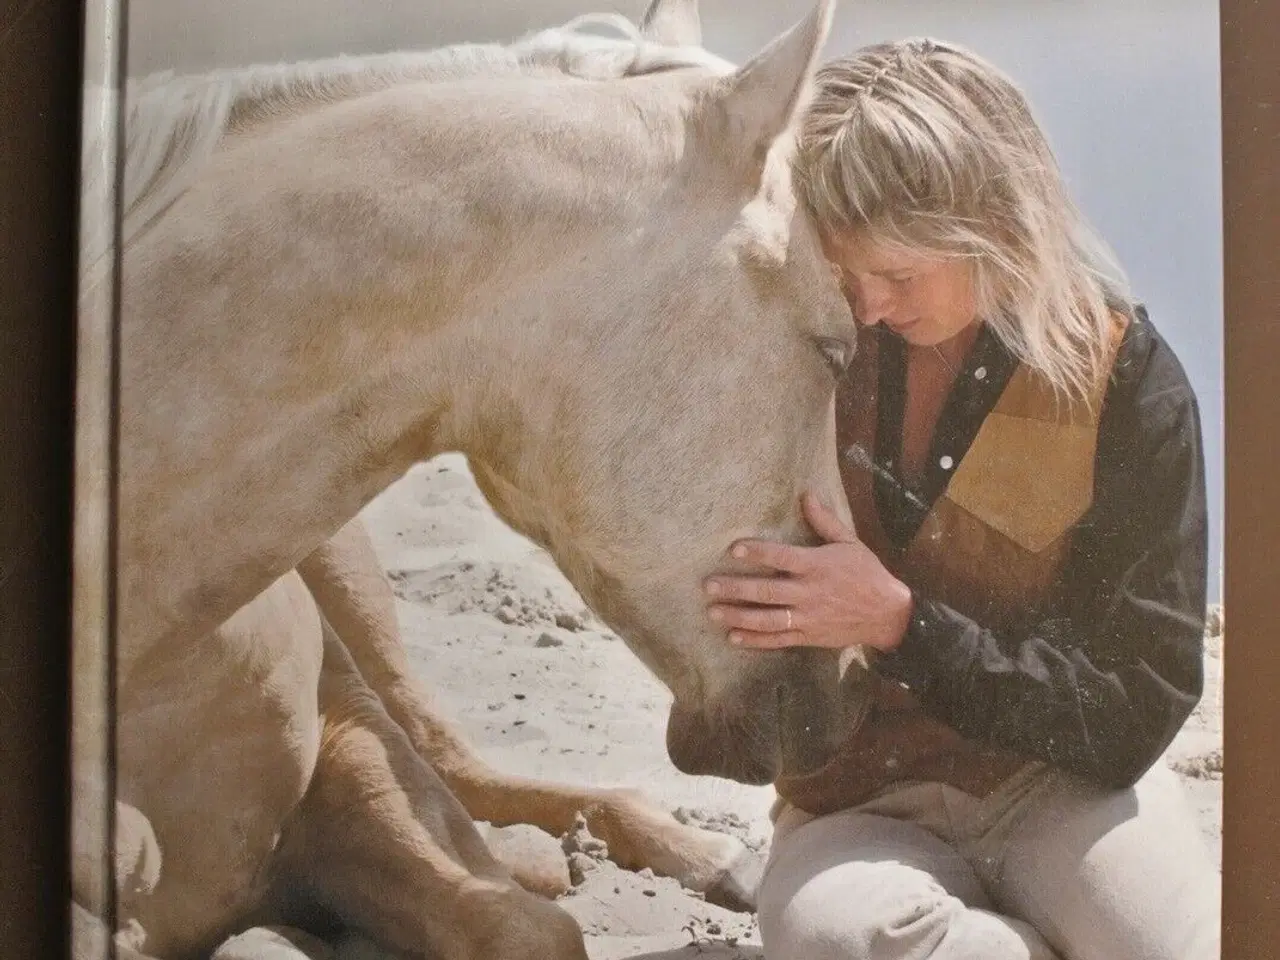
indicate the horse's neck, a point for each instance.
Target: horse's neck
{"x":271,"y":394}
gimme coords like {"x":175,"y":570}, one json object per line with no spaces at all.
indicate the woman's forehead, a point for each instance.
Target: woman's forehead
{"x":858,"y":251}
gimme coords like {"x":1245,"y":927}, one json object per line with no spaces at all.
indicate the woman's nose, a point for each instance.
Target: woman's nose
{"x":870,"y":306}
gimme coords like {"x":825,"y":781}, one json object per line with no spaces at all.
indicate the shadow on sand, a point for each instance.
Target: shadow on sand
{"x":712,"y":951}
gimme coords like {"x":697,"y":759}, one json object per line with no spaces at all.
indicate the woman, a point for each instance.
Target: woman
{"x":1022,"y":458}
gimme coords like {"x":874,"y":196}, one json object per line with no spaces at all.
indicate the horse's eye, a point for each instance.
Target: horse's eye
{"x":838,"y":353}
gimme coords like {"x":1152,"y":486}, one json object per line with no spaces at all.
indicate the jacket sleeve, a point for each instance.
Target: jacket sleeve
{"x":1102,"y":684}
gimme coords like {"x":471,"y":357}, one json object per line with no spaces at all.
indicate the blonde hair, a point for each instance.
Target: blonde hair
{"x":925,"y":146}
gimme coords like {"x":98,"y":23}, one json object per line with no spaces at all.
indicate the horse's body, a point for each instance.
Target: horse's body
{"x":582,"y":267}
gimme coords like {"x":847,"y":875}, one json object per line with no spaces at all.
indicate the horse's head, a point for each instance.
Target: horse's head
{"x":688,"y":402}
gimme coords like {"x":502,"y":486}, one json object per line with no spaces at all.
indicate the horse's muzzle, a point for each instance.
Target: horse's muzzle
{"x":787,"y":719}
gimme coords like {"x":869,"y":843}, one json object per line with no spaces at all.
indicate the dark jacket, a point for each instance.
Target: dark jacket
{"x":1111,"y":667}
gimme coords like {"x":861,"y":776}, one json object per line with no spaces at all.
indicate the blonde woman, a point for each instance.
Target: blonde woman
{"x":1027,"y":567}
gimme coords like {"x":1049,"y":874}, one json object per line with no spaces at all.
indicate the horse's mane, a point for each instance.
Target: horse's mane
{"x":174,"y":123}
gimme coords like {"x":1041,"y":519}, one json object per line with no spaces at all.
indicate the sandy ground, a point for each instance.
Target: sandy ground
{"x":543,"y":688}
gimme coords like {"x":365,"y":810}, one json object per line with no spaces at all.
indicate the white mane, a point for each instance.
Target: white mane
{"x":175,"y":122}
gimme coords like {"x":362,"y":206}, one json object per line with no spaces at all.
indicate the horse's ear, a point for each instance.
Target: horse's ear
{"x":761,"y":98}
{"x":673,"y":23}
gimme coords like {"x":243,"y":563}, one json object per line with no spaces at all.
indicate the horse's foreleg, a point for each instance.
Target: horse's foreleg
{"x":352,"y":590}
{"x":381,"y":844}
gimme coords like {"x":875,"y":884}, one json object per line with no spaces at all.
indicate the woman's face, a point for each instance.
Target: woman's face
{"x":924,"y":300}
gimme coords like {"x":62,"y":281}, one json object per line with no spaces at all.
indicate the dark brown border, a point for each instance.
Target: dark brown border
{"x":1251,"y":692}
{"x":40,"y":89}
{"x":40,"y":56}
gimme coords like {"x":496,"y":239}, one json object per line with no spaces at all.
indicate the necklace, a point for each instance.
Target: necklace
{"x":945,"y":362}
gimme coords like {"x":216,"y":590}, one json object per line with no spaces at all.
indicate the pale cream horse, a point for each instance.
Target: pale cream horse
{"x":577,"y":261}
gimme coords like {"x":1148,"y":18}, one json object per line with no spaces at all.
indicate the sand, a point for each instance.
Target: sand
{"x":511,"y":652}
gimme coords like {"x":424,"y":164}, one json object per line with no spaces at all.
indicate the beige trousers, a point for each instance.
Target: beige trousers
{"x":1046,"y":868}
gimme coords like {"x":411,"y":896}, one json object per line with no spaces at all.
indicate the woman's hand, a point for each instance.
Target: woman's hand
{"x":835,"y":595}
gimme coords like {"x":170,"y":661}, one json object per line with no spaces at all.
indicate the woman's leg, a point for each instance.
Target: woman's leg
{"x":855,"y":886}
{"x":1107,"y":874}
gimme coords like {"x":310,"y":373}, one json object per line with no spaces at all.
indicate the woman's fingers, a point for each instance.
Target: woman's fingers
{"x":767,"y":641}
{"x":755,"y":619}
{"x":773,"y":554}
{"x":769,"y":591}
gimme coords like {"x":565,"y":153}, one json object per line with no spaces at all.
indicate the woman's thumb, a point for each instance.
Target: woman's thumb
{"x":824,"y":520}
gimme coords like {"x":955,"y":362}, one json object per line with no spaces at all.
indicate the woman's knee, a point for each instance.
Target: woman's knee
{"x":855,"y":910}
{"x":857,"y":886}
{"x":902,"y":922}
{"x":879,"y":909}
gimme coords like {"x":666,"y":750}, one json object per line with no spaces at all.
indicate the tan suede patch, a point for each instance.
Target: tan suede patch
{"x":1029,"y":471}
{"x":1027,"y":479}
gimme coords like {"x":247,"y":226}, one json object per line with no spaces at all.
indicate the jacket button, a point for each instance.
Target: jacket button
{"x":946,"y":463}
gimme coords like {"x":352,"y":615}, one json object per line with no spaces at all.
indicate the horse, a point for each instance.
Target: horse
{"x":580,"y":262}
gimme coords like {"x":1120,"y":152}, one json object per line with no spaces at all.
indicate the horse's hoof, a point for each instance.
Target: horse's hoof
{"x":737,"y":887}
